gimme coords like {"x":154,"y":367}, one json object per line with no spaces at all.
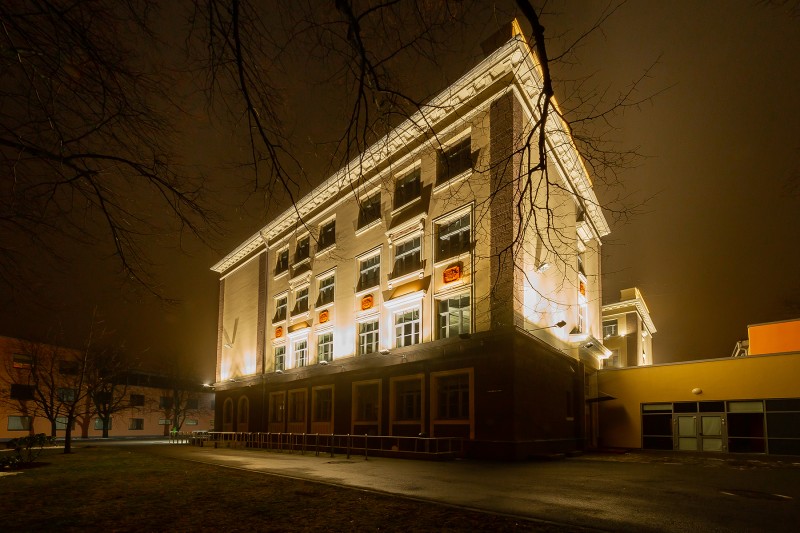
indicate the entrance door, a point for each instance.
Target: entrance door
{"x":712,"y":432}
{"x":685,"y":432}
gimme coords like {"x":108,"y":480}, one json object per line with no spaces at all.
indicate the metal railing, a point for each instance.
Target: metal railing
{"x":332,"y":444}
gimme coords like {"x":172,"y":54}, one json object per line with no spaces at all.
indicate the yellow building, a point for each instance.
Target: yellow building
{"x":739,"y":404}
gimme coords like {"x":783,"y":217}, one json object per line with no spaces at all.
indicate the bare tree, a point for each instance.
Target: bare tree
{"x":86,"y":136}
{"x":107,"y":380}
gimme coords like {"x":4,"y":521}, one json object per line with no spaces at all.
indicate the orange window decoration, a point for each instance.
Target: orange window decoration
{"x":452,"y":273}
{"x":279,"y":332}
{"x":324,"y":316}
{"x":367,"y":302}
{"x":582,"y":288}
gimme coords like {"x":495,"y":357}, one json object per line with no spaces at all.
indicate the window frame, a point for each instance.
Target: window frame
{"x":361,"y":284}
{"x":395,"y":403}
{"x":323,"y":299}
{"x":369,"y":210}
{"x":282,"y":355}
{"x":327,"y":235}
{"x":398,"y":328}
{"x":458,"y":151}
{"x":375,"y":334}
{"x":282,"y":261}
{"x":439,"y":300}
{"x":281,"y":317}
{"x":613,"y":328}
{"x":407,"y":188}
{"x":297,"y":310}
{"x":24,"y":423}
{"x":453,"y":251}
{"x":302,"y":249}
{"x":136,"y":424}
{"x":325,"y":354}
{"x":300,"y":355}
{"x":411,"y":267}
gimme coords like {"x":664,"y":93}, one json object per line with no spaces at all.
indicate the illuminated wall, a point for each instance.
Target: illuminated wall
{"x":240,"y":321}
{"x":775,"y":337}
{"x":744,"y":378}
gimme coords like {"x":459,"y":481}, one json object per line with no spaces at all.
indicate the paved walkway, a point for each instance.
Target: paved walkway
{"x":612,"y":492}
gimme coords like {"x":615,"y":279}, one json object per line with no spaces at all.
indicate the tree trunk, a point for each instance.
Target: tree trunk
{"x":53,"y":427}
{"x":68,"y":436}
{"x":105,"y":426}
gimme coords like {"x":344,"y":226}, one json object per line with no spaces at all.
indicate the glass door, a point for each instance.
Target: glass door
{"x":685,"y":432}
{"x":712,"y":432}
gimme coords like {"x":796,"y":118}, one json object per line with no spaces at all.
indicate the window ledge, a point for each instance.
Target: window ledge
{"x":368,"y":226}
{"x":322,"y":307}
{"x":280,"y":274}
{"x":462,"y":257}
{"x":371,"y":288}
{"x":452,"y":181}
{"x":301,"y":314}
{"x":406,"y":205}
{"x":324,"y":251}
{"x":399,"y":280}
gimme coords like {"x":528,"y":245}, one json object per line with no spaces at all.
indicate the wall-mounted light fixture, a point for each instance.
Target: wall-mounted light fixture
{"x":323,"y":363}
{"x":385,"y":352}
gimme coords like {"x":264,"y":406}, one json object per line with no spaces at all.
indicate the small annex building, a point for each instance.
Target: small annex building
{"x":748,"y":404}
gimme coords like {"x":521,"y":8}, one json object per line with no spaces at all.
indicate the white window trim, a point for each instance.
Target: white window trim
{"x":418,"y":273}
{"x":449,"y":217}
{"x":284,"y":294}
{"x":325,"y":275}
{"x":456,"y":291}
{"x":393,"y":336}
{"x":374,"y":317}
{"x":363,"y":257}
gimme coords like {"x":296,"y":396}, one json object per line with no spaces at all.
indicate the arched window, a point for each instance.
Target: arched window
{"x":243,"y":408}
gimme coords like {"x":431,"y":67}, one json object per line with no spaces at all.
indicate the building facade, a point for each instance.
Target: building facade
{"x":144,"y":404}
{"x":628,"y":331}
{"x":415,"y":292}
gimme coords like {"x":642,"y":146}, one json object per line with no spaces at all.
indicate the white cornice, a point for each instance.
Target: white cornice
{"x":456,"y":99}
{"x":641,"y":309}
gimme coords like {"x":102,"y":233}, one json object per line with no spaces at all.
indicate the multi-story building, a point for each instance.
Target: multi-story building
{"x":628,"y":331}
{"x":143,"y":404}
{"x":432,"y":286}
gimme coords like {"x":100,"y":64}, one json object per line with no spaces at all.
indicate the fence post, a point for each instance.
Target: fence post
{"x":331,"y":444}
{"x":366,"y":440}
{"x":348,"y":445}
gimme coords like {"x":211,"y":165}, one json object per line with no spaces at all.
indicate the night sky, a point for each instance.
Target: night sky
{"x":711,"y":240}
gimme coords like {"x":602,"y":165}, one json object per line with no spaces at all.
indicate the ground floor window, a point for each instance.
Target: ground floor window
{"x":61,"y":423}
{"x":408,"y":400}
{"x":243,"y":410}
{"x":323,"y":404}
{"x":98,"y":424}
{"x":227,"y":411}
{"x":453,"y":397}
{"x":19,"y":423}
{"x":297,"y":406}
{"x":277,"y":407}
{"x":190,"y":422}
{"x":746,"y":426}
{"x":136,"y":424}
{"x":301,"y":353}
{"x":366,"y":401}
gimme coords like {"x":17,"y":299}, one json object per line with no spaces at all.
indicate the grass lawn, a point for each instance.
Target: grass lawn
{"x":107,"y":488}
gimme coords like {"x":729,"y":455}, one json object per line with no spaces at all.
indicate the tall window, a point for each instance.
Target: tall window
{"x":323,"y":405}
{"x":302,"y":251}
{"x":280,"y":358}
{"x":406,"y":328}
{"x":370,"y":210}
{"x":453,"y":397}
{"x":367,"y":400}
{"x":453,"y":237}
{"x":282,"y":265}
{"x":454,"y":161}
{"x":454,"y":316}
{"x":301,"y":353}
{"x":297,"y":406}
{"x":407,"y":189}
{"x":326,"y":286}
{"x":280,"y":309}
{"x":407,"y":257}
{"x":277,"y":406}
{"x":368,"y":337}
{"x":408,"y":400}
{"x":325,"y":347}
{"x":300,"y":301}
{"x":369,"y":272}
{"x":327,"y":235}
